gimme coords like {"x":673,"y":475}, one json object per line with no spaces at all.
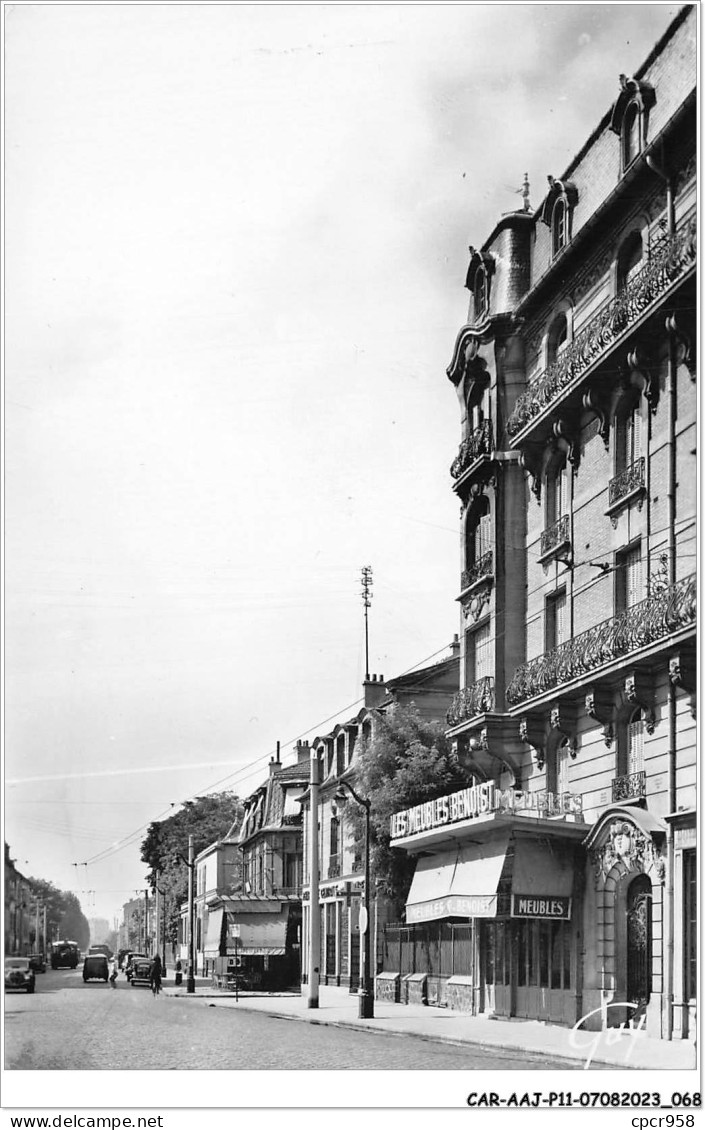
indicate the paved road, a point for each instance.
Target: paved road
{"x":69,"y":1025}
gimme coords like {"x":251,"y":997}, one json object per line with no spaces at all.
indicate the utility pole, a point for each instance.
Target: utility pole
{"x":366,"y":595}
{"x":146,"y":920}
{"x":314,"y":925}
{"x":190,"y":979}
{"x":156,"y":913}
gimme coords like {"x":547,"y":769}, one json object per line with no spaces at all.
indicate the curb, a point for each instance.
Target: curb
{"x":486,"y":1045}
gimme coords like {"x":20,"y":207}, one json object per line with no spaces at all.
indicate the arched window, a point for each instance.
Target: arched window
{"x":478,"y":535}
{"x":557,"y":339}
{"x":630,"y":260}
{"x":557,"y":768}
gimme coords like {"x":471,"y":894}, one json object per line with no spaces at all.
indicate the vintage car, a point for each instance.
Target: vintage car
{"x":140,"y":970}
{"x":130,"y":960}
{"x":38,"y":962}
{"x":19,"y":974}
{"x":101,"y":949}
{"x":95,"y":967}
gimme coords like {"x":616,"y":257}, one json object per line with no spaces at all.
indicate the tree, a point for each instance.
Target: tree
{"x":408,"y":761}
{"x":163,"y":849}
{"x":65,"y":919}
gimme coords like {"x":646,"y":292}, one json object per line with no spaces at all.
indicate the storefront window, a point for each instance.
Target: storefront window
{"x":691,"y":931}
{"x":544,"y":952}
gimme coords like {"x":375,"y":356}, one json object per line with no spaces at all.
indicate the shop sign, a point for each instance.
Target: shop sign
{"x":462,"y":906}
{"x":481,"y":800}
{"x":540,"y":906}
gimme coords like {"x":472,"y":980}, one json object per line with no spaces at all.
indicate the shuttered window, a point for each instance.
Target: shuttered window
{"x":635,"y":746}
{"x":555,"y":620}
{"x":629,"y":579}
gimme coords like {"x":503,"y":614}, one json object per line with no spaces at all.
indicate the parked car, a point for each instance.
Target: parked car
{"x":19,"y":974}
{"x":95,"y":967}
{"x":38,"y":962}
{"x":129,"y":960}
{"x":141,"y":973}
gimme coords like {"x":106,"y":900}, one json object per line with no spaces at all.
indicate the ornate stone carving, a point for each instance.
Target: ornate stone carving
{"x":599,"y":705}
{"x":474,"y":606}
{"x":638,"y":690}
{"x":682,"y":671}
{"x":628,"y":848}
{"x":532,"y":732}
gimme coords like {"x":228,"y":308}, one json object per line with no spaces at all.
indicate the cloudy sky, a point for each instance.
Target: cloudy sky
{"x":236,"y":241}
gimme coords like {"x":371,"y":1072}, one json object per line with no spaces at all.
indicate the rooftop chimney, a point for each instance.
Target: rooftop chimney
{"x":375,"y":691}
{"x":455,"y":645}
{"x":303,"y":751}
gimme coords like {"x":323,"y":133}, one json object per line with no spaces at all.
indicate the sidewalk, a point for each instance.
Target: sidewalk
{"x":337,"y":1006}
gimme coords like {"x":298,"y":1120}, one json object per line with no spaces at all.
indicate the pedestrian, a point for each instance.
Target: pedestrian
{"x":155,"y":977}
{"x":113,"y":972}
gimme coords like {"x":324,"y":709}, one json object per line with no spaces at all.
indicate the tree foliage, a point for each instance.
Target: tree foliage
{"x":408,"y":761}
{"x":65,"y":919}
{"x":165,"y":847}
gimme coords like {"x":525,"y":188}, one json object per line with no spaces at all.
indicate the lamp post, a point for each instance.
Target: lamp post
{"x":366,"y":997}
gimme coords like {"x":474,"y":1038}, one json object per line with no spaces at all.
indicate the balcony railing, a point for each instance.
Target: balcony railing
{"x":334,"y":867}
{"x":629,"y":787}
{"x":481,"y":568}
{"x":479,"y":443}
{"x":669,"y":258}
{"x":556,"y":535}
{"x":653,"y":619}
{"x":471,"y":701}
{"x":629,"y":481}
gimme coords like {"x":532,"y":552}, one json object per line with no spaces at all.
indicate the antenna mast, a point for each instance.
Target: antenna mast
{"x":366,"y":595}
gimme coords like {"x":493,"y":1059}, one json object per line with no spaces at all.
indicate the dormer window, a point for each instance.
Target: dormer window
{"x":557,"y":212}
{"x":630,"y":117}
{"x":478,"y":281}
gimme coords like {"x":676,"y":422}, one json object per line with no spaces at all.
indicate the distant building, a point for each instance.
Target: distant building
{"x":341,"y":863}
{"x":19,"y":909}
{"x":562,"y":882}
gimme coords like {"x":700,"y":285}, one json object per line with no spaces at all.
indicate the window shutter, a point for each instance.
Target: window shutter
{"x":633,"y":577}
{"x":635,"y":747}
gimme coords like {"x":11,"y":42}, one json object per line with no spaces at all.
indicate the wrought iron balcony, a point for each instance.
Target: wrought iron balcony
{"x":629,"y":787}
{"x":357,"y":865}
{"x":334,"y":867}
{"x":654,"y":619}
{"x":669,"y":258}
{"x":482,"y":568}
{"x":556,"y":535}
{"x":479,"y":443}
{"x":471,"y":701}
{"x":632,"y":479}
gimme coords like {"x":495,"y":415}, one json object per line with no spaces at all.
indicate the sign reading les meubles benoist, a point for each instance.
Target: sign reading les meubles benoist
{"x":481,"y":800}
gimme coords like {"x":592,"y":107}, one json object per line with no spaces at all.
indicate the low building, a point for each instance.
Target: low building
{"x":341,"y":863}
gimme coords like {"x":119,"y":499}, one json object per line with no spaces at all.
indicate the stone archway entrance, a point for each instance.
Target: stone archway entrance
{"x":639,"y":933}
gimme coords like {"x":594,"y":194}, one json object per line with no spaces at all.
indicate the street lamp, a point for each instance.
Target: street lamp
{"x":190,"y":979}
{"x":366,"y":998}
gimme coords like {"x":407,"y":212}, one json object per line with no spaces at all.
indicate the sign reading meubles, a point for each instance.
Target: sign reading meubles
{"x":481,"y":800}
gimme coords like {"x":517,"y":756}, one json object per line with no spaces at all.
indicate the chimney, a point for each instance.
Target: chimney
{"x":303,"y":752}
{"x":375,"y":691}
{"x":274,"y":763}
{"x":455,"y":646}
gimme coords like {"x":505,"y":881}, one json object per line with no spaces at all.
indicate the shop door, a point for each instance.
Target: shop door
{"x":495,"y":968}
{"x":639,"y":943}
{"x":330,"y":939}
{"x":354,"y":961}
{"x":543,"y":970}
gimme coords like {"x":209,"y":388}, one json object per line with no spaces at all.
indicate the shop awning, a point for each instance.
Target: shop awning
{"x":542,"y":879}
{"x":459,"y":883}
{"x":214,"y":932}
{"x":257,"y":933}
